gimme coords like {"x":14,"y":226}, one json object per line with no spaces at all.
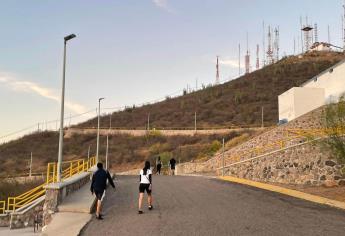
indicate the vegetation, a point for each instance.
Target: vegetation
{"x":12,"y":188}
{"x":334,"y":122}
{"x":125,"y":151}
{"x":237,"y":102}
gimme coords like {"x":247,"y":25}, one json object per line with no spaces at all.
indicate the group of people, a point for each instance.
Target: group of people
{"x":159,"y":164}
{"x":100,"y":177}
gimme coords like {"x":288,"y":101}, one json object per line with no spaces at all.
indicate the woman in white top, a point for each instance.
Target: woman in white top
{"x":145,"y":185}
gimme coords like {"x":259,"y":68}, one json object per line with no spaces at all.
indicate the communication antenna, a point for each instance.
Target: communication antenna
{"x":329,"y":34}
{"x":263,"y":45}
{"x":269,"y":49}
{"x":257,"y":57}
{"x":307,"y":29}
{"x":316,"y":34}
{"x":247,"y":58}
{"x":217,"y":71}
{"x":239,"y":59}
{"x":276,"y":43}
{"x":300,"y":19}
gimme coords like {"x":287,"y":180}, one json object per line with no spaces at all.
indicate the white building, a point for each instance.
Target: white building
{"x":321,"y":47}
{"x":324,"y":88}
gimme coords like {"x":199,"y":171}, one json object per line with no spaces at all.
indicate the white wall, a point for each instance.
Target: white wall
{"x":298,"y":101}
{"x":332,"y":82}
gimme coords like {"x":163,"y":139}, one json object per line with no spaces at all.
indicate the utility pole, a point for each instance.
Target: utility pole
{"x":262,"y":117}
{"x":110,"y":121}
{"x":88,"y":155}
{"x":195,"y":122}
{"x":148,"y":122}
{"x":60,"y":154}
{"x":106,"y":154}
{"x":99,"y":114}
{"x":30,"y":174}
{"x":223,"y":161}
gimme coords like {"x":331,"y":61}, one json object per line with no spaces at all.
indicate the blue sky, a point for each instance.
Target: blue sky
{"x":132,"y":51}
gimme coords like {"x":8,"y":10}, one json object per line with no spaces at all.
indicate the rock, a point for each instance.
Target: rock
{"x":330,"y":163}
{"x":337,"y":177}
{"x":330,"y":183}
{"x":323,"y":177}
{"x":341,"y":183}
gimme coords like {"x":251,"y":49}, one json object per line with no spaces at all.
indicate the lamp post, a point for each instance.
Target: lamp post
{"x":99,"y":113}
{"x":60,"y":155}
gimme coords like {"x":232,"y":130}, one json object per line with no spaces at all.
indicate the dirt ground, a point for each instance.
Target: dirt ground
{"x":335,"y":193}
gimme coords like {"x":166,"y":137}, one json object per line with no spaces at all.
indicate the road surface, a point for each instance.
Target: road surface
{"x":205,"y":206}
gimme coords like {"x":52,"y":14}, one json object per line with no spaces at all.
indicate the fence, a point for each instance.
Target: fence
{"x":68,"y":169}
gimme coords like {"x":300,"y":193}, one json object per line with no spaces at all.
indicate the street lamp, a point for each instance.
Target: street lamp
{"x":69,"y":37}
{"x":99,"y":112}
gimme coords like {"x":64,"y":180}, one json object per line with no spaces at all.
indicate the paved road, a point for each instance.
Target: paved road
{"x":201,"y":206}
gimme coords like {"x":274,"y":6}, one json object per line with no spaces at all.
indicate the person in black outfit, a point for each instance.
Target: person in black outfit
{"x":98,"y":185}
{"x":159,"y":165}
{"x":172,"y":163}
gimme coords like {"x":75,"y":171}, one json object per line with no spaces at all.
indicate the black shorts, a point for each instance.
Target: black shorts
{"x":99,"y":194}
{"x":144,"y":187}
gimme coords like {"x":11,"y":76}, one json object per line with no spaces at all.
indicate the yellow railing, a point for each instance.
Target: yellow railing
{"x":2,"y":207}
{"x":68,"y":169}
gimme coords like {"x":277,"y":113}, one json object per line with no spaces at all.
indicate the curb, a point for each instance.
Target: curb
{"x":286,"y":191}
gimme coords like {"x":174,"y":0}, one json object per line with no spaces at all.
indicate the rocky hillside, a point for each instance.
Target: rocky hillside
{"x":237,"y":102}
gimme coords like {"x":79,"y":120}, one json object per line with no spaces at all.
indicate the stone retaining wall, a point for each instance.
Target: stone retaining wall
{"x":4,"y":220}
{"x":303,"y":164}
{"x":26,"y":219}
{"x":55,"y":193}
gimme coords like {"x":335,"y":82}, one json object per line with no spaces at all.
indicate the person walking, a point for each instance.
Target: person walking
{"x":145,"y":185}
{"x":159,"y":165}
{"x":172,"y":163}
{"x":98,"y":185}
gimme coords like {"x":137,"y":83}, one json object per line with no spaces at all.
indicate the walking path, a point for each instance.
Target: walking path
{"x":207,"y":206}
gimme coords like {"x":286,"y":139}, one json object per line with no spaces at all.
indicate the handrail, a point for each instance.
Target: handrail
{"x":2,"y":207}
{"x":69,"y":168}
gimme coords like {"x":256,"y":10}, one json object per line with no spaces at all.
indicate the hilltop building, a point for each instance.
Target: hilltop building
{"x":327,"y":87}
{"x":321,"y":47}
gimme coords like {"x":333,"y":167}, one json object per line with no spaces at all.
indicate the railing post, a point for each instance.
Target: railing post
{"x":54,"y":172}
{"x":70,"y":169}
{"x":223,"y":171}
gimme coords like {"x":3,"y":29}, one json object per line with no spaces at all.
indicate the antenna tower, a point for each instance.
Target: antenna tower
{"x":239,"y":60}
{"x":269,"y":49}
{"x":343,"y":22}
{"x":263,"y":44}
{"x":257,"y":57}
{"x":316,"y":34}
{"x":247,"y":58}
{"x":276,"y":43}
{"x":217,"y":73}
{"x":307,"y":29}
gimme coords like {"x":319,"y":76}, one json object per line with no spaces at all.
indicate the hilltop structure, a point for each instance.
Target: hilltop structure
{"x":327,"y":87}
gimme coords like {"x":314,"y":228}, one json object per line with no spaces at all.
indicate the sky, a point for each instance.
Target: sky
{"x":133,"y":51}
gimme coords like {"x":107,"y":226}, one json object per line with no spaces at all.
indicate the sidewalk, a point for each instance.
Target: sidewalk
{"x":74,"y":213}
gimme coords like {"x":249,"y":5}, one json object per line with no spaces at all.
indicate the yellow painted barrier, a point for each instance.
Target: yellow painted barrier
{"x":2,"y":207}
{"x":69,"y":168}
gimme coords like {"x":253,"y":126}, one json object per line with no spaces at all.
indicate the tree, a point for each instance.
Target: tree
{"x":333,"y":119}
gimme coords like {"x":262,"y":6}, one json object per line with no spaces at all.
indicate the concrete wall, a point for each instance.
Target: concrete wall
{"x":332,"y":80}
{"x":298,"y":101}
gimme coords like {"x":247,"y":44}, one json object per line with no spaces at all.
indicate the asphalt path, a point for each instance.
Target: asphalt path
{"x":206,"y":206}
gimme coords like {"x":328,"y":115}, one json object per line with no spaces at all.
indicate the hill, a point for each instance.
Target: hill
{"x":237,"y":102}
{"x":125,"y":151}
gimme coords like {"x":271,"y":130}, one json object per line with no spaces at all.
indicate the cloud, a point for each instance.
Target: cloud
{"x":31,"y":87}
{"x":162,"y":4}
{"x":229,"y":62}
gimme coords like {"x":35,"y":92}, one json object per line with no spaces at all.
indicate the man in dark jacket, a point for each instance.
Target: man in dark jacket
{"x":98,"y":185}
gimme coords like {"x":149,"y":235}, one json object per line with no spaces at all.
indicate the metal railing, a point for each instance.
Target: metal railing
{"x":2,"y":207}
{"x":69,"y":168}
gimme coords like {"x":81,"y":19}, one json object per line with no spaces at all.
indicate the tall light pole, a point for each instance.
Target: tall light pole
{"x":99,"y":113}
{"x":69,"y":37}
